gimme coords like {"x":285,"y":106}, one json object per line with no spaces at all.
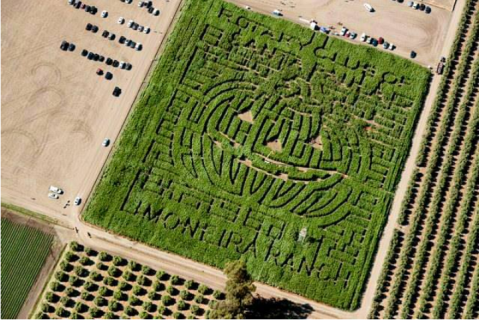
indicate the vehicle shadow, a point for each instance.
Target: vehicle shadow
{"x":274,"y":308}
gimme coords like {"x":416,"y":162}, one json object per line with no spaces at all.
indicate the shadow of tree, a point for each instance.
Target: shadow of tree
{"x":274,"y":308}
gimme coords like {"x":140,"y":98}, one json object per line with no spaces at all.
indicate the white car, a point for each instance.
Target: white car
{"x":122,"y":66}
{"x":53,"y":195}
{"x":363,"y":37}
{"x":140,"y":4}
{"x":121,"y":20}
{"x":147,"y":30}
{"x":77,"y":201}
{"x":104,"y":14}
{"x":56,"y":190}
{"x":106,"y":142}
{"x":129,"y":1}
{"x":248,"y":8}
{"x":156,"y":12}
{"x":391,"y":46}
{"x":130,"y":23}
{"x":343,"y":31}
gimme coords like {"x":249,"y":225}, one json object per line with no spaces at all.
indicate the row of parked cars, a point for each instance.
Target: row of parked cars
{"x":67,"y":46}
{"x":419,"y":6}
{"x":149,"y":6}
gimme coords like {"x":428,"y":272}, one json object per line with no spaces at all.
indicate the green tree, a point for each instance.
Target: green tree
{"x":239,"y":293}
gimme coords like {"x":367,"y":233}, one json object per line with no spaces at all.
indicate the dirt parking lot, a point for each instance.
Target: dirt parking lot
{"x":406,"y":28}
{"x":56,"y":111}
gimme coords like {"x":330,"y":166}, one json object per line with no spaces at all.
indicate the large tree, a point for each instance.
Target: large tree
{"x":239,"y":293}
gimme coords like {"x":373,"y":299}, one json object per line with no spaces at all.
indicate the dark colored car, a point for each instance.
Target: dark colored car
{"x":413,"y":54}
{"x":122,"y":40}
{"x":128,"y":66}
{"x":93,"y":10}
{"x":108,"y":76}
{"x":87,"y":8}
{"x":149,"y":4}
{"x":84,"y":52}
{"x":112,"y":37}
{"x":151,"y":9}
{"x":105,"y":34}
{"x":99,"y":71}
{"x":91,"y":55}
{"x":116,"y":63}
{"x":101,"y":59}
{"x":117,"y":92}
{"x":94,"y":29}
{"x":64,"y":46}
{"x":109,"y":61}
{"x":374,"y":42}
{"x":97,"y":57}
{"x":428,"y":10}
{"x":71,"y":47}
{"x":78,"y":5}
{"x":422,"y":6}
{"x":88,"y":26}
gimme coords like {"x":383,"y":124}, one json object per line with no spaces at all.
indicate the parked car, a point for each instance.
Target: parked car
{"x":99,"y":71}
{"x":115,"y":63}
{"x":374,"y":42}
{"x":151,"y":9}
{"x":391,"y":46}
{"x":108,"y":76}
{"x":140,"y":4}
{"x":134,"y":26}
{"x":91,"y":55}
{"x":343,"y":31}
{"x":96,"y":57}
{"x":380,"y":40}
{"x":128,"y":1}
{"x":109,"y":61}
{"x":428,"y":10}
{"x":84,"y":52}
{"x":87,"y":8}
{"x":64,"y":45}
{"x":417,"y":6}
{"x":363,"y":37}
{"x":71,"y":47}
{"x":116,"y":92}
{"x":52,"y":195}
{"x":104,"y":14}
{"x":386,"y":45}
{"x":77,"y":5}
{"x":112,"y":36}
{"x":141,"y":28}
{"x":71,"y":2}
{"x":88,"y":27}
{"x":105,"y":34}
{"x":55,"y":190}
{"x":422,"y":7}
{"x":130,"y":23}
{"x":122,"y":40}
{"x":138,"y":47}
{"x":122,"y":64}
{"x":147,"y":30}
{"x":121,"y":20}
{"x":413,"y":54}
{"x":353,"y":35}
{"x":94,"y":29}
{"x":410,"y":4}
{"x":101,"y":59}
{"x":77,"y":201}
{"x":368,"y":7}
{"x":93,"y":10}
{"x":128,"y":66}
{"x":156,"y":12}
{"x":106,"y":142}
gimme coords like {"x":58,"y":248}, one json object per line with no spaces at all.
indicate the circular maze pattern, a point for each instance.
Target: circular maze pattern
{"x":268,"y":141}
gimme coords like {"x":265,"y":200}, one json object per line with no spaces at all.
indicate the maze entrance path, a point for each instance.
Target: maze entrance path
{"x":262,"y":139}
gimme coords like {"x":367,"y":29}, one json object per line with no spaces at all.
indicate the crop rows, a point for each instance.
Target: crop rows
{"x":258,"y":138}
{"x":90,"y":284}
{"x":432,"y":271}
{"x":24,"y":251}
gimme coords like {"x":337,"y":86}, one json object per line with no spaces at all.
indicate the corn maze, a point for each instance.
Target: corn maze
{"x":431,"y":271}
{"x":259,"y":138}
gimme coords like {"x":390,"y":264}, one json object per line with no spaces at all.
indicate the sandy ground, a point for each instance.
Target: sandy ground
{"x":55,"y":110}
{"x":407,"y":28}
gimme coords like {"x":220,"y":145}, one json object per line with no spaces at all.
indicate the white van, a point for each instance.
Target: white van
{"x":368,"y":7}
{"x":56,"y":190}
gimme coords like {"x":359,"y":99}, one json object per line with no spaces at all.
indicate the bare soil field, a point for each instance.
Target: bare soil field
{"x":56,"y":110}
{"x":406,"y":28}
